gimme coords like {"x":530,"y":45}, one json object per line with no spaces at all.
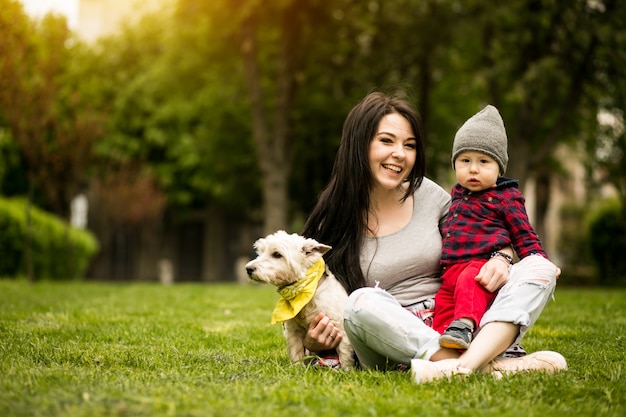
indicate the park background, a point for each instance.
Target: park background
{"x":152,"y":141}
{"x":176,"y":132}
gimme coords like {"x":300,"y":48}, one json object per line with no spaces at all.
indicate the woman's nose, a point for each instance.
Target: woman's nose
{"x":398,"y":152}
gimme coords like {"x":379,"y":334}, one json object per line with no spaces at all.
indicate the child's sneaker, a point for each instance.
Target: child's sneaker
{"x":458,"y":335}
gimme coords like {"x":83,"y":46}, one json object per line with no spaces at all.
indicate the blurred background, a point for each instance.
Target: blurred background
{"x":155,"y":140}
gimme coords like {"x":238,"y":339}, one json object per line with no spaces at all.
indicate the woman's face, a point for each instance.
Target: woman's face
{"x":392,"y":151}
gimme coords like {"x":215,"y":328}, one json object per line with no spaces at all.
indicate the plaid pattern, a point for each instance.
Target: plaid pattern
{"x":483,"y":222}
{"x":425,"y":314}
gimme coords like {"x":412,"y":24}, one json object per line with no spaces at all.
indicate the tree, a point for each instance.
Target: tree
{"x":604,"y":137}
{"x":44,"y":109}
{"x":305,"y":63}
{"x":230,"y":83}
{"x":46,"y":113}
{"x":175,"y":116}
{"x":536,"y":61}
{"x":268,"y":37}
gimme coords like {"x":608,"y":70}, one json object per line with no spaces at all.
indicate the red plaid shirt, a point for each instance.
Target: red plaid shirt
{"x":479,"y":223}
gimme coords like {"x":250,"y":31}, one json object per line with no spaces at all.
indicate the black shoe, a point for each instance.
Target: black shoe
{"x":458,"y":335}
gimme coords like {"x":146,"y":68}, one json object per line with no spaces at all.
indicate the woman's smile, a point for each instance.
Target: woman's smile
{"x":392,"y":151}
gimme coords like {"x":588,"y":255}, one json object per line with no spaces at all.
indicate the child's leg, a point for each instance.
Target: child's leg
{"x":471,"y":298}
{"x":444,"y":299}
{"x":493,"y":339}
{"x":516,"y":307}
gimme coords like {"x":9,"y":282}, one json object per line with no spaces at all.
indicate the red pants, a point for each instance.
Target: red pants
{"x":460,"y":296}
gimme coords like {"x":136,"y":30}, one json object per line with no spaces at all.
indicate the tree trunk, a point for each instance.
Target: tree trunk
{"x":28,"y":241}
{"x":542,"y":202}
{"x":272,"y":143}
{"x":276,"y":201}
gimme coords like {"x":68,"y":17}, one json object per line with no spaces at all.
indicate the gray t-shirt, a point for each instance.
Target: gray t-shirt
{"x":406,"y":263}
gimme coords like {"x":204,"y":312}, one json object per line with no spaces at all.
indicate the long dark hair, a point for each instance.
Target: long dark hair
{"x":339,"y":218}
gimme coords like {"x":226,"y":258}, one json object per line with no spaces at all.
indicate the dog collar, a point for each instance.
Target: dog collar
{"x":295,"y":296}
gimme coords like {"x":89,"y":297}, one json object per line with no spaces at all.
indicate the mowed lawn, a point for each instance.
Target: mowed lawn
{"x":98,"y":349}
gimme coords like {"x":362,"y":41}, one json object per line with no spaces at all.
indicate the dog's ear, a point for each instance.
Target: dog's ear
{"x":258,"y":245}
{"x":313,"y":246}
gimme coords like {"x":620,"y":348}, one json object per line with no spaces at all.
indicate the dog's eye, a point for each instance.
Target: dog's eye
{"x":277,"y":255}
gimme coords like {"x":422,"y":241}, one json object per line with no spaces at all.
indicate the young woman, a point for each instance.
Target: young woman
{"x":382,"y":217}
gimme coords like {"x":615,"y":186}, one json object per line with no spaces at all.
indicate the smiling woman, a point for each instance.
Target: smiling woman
{"x":392,"y":155}
{"x":379,"y":166}
{"x":392,"y":152}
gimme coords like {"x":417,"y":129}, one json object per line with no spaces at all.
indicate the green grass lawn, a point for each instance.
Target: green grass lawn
{"x":93,"y":349}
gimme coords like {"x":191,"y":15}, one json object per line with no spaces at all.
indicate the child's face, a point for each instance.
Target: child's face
{"x":476,"y":171}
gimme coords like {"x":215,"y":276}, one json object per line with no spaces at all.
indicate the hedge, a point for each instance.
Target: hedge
{"x":608,"y":243}
{"x":59,"y":251}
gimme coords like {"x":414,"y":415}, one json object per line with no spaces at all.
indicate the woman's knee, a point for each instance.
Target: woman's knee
{"x":370,"y":308}
{"x":357,"y":300}
{"x":535,"y":269}
{"x":523,"y":298}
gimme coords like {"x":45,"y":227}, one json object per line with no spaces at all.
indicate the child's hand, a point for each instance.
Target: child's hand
{"x":493,"y":275}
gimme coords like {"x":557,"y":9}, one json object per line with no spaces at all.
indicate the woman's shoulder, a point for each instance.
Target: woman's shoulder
{"x":429,"y":186}
{"x":429,"y":190}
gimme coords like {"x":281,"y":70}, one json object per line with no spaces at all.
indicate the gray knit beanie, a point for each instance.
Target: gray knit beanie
{"x":483,"y":132}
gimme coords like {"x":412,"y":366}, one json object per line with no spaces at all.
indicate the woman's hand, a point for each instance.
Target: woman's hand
{"x":322,"y":335}
{"x":494,"y":274}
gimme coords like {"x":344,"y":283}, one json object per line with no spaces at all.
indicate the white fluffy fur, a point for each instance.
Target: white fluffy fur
{"x":284,"y":259}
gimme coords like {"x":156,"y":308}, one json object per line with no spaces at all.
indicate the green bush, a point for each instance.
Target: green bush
{"x":607,"y":238}
{"x":59,"y":251}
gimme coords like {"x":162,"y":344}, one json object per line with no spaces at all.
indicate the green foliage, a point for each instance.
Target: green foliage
{"x":168,"y":96}
{"x":77,"y":349}
{"x":58,"y":250}
{"x":43,"y":106}
{"x":12,"y":178}
{"x":177,"y":113}
{"x":608,"y":243}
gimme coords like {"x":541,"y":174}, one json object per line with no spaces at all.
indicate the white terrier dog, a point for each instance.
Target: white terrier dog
{"x":294,"y":264}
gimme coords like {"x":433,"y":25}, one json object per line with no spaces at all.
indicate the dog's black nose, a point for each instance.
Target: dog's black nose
{"x":250,"y":270}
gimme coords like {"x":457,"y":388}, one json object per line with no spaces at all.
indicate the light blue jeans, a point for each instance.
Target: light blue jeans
{"x":384,"y":333}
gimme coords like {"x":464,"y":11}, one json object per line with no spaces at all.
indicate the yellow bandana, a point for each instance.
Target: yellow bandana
{"x":298,"y":294}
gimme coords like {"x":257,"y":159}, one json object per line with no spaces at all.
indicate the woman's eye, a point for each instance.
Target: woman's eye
{"x":411,"y":146}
